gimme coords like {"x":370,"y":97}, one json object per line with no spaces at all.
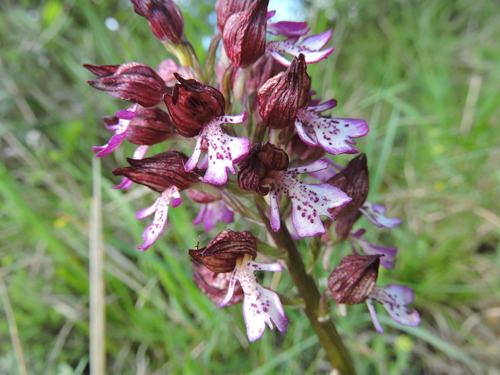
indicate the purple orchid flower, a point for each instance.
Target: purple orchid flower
{"x":309,"y":202}
{"x":213,"y":212}
{"x":160,"y":209}
{"x":223,"y":150}
{"x":331,"y":134}
{"x":120,"y":129}
{"x":394,"y":298}
{"x":376,"y":214}
{"x":261,"y":306}
{"x":286,"y":28}
{"x":310,"y":47}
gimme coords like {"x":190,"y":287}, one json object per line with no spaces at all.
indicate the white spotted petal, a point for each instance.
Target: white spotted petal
{"x":331,"y":134}
{"x":394,"y":298}
{"x":309,"y":202}
{"x":309,"y":47}
{"x":124,"y":119}
{"x":223,"y":150}
{"x":261,"y":306}
{"x":160,"y":209}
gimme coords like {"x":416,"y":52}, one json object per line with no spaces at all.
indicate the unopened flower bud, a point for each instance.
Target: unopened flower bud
{"x":160,"y":171}
{"x":262,"y":158}
{"x":221,"y":253}
{"x":193,"y":104}
{"x":149,"y":127}
{"x":226,"y":8}
{"x":353,"y":280}
{"x":244,"y":34}
{"x":132,"y":81}
{"x":164,"y":17}
{"x":281,"y":96}
{"x":352,"y":180}
{"x":101,"y":70}
{"x":264,"y":68}
{"x":215,"y":285}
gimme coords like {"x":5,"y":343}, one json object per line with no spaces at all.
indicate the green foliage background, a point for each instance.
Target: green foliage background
{"x":424,"y":74}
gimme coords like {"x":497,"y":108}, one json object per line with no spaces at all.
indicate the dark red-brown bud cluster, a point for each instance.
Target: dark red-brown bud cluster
{"x":221,"y":253}
{"x":353,"y":280}
{"x":160,"y":171}
{"x":281,"y":96}
{"x":132,"y":81}
{"x":193,"y":104}
{"x":244,"y":34}
{"x":164,"y":17}
{"x":261,"y":158}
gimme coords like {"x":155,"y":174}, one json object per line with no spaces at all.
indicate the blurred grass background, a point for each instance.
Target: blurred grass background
{"x":426,"y":76}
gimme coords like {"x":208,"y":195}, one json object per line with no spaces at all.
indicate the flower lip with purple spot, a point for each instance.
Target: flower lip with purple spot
{"x":223,"y":150}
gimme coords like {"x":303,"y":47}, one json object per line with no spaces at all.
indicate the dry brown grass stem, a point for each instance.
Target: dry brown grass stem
{"x":96,"y":278}
{"x":14,"y":333}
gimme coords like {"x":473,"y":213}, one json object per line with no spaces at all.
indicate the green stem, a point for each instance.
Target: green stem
{"x":308,"y":290}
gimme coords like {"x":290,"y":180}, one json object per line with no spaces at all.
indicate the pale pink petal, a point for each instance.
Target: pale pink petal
{"x":201,"y":214}
{"x":325,"y":174}
{"x":153,"y":231}
{"x":140,"y":152}
{"x":113,"y":127}
{"x":376,"y":214}
{"x":287,"y":28}
{"x":318,"y":41}
{"x":373,"y":315}
{"x":125,"y":184}
{"x":230,"y":289}
{"x":125,"y":117}
{"x":277,"y":48}
{"x":261,"y":306}
{"x":223,"y":150}
{"x":195,"y":156}
{"x":279,"y":58}
{"x":332,"y":134}
{"x":315,"y":166}
{"x":312,"y":201}
{"x":213,"y":212}
{"x":332,"y":103}
{"x":389,"y":253}
{"x":274,"y":209}
{"x":148,"y":211}
{"x":395,"y":298}
{"x":309,"y":202}
{"x":176,"y":199}
{"x":270,"y":14}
